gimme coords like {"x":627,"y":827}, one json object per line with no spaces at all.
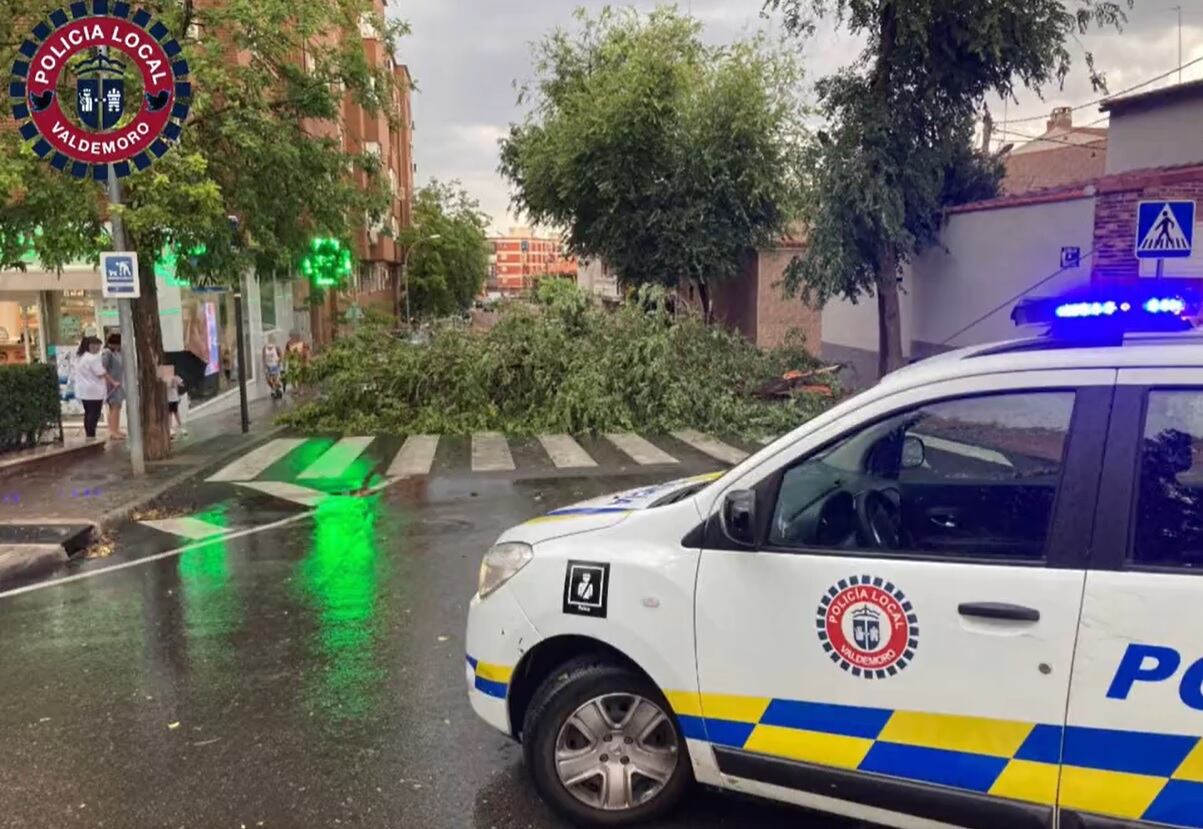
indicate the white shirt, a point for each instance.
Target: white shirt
{"x":89,"y":378}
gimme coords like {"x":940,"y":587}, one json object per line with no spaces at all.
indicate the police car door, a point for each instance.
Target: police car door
{"x":894,"y":640}
{"x":1132,"y":742}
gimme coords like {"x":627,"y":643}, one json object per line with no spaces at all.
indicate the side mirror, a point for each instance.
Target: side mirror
{"x":739,"y":517}
{"x":914,"y":453}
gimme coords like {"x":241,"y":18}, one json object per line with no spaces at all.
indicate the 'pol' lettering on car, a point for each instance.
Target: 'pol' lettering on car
{"x":1156,"y":663}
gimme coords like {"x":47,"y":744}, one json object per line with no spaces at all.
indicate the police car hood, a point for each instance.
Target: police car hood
{"x":606,"y":511}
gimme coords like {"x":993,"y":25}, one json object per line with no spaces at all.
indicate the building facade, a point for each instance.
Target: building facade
{"x":1041,"y":241}
{"x":518,"y":260}
{"x":43,"y":314}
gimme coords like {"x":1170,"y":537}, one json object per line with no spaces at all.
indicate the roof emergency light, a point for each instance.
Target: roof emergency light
{"x":1112,"y":309}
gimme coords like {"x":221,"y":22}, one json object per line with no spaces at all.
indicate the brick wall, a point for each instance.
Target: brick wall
{"x":1115,"y":214}
{"x":776,"y":313}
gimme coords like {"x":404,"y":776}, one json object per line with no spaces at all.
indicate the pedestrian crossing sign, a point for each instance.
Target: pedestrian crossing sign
{"x":1165,"y":229}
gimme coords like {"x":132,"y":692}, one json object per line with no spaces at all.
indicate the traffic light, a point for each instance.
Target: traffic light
{"x":327,"y":263}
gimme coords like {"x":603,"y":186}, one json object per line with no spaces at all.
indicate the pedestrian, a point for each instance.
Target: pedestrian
{"x":111,"y":359}
{"x":92,"y":382}
{"x":175,"y":388}
{"x":273,"y":362}
{"x":296,"y":355}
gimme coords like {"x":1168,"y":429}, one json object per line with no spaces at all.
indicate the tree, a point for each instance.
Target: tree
{"x":665,"y":157}
{"x":898,"y":146}
{"x":446,"y":273}
{"x":261,"y":144}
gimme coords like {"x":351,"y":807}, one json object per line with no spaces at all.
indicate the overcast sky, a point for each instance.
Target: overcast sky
{"x":466,"y":54}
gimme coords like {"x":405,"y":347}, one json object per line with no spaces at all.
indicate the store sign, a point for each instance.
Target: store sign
{"x":131,"y":91}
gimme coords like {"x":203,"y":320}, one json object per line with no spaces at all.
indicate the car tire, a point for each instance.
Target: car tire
{"x":584,"y":685}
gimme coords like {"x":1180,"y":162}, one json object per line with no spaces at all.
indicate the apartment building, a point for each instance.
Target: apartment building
{"x":378,"y":282}
{"x":518,"y":260}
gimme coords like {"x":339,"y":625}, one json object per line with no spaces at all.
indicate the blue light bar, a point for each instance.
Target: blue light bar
{"x":1120,"y":307}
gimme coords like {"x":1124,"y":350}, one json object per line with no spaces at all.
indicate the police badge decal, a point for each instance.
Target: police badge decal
{"x":868,"y":627}
{"x":100,"y":44}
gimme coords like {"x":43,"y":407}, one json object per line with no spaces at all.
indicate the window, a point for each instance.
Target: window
{"x":966,"y":478}
{"x":1169,"y":510}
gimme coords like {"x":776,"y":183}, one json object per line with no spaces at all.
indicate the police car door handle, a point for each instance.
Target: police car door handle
{"x":999,"y":610}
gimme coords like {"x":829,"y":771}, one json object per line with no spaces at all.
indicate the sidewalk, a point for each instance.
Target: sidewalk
{"x":100,"y":490}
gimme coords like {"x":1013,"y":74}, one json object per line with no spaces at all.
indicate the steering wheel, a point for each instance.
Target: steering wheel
{"x":879,"y":520}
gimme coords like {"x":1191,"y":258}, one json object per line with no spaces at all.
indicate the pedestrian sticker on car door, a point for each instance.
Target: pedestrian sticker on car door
{"x":586,"y":584}
{"x":868,"y":627}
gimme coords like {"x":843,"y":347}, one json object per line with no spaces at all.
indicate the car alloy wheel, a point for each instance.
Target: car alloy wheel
{"x":616,"y":751}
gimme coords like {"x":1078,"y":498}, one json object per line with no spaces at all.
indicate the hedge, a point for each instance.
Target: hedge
{"x":29,"y":405}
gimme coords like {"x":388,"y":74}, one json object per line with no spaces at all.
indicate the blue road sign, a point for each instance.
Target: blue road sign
{"x":1165,"y":229}
{"x":119,"y":276}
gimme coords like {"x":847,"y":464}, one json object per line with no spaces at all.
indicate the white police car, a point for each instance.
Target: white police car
{"x":971,"y":596}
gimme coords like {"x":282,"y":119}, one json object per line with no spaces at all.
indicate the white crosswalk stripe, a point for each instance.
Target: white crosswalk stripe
{"x":565,"y":452}
{"x":491,"y":453}
{"x":415,"y":458}
{"x":304,"y":496}
{"x":194,"y":529}
{"x":336,"y":460}
{"x":254,"y":463}
{"x":711,"y":446}
{"x":639,"y":450}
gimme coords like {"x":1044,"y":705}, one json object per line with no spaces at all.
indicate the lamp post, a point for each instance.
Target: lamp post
{"x":405,"y":271}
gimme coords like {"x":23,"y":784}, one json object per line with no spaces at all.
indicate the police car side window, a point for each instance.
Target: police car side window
{"x":1169,"y":510}
{"x":972,"y":477}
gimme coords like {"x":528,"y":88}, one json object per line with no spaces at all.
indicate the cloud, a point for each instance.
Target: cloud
{"x":466,"y":54}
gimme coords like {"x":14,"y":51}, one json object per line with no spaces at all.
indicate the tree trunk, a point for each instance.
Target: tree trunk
{"x":889,"y":317}
{"x":148,"y":337}
{"x":704,"y":298}
{"x":317,"y":325}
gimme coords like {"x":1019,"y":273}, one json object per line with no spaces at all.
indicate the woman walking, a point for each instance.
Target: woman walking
{"x":110,"y":358}
{"x":91,"y":382}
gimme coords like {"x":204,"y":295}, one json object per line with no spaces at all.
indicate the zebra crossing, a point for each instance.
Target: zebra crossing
{"x":305,"y":472}
{"x":489,"y":452}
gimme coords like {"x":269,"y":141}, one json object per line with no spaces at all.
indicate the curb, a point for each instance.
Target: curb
{"x":119,"y":513}
{"x":60,"y":454}
{"x":20,"y":561}
{"x":28,"y":560}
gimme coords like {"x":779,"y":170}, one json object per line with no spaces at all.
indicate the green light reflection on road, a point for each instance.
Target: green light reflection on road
{"x":211,"y":610}
{"x":339,"y":580}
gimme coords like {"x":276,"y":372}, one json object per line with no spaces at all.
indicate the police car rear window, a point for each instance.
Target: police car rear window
{"x":1169,"y":515}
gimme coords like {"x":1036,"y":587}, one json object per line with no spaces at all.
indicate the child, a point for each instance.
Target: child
{"x":175,"y":387}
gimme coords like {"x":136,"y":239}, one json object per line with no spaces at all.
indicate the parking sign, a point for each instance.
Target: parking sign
{"x":119,"y":276}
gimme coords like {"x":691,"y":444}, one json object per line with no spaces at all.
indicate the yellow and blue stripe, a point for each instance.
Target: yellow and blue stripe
{"x":491,"y":680}
{"x":1127,"y":774}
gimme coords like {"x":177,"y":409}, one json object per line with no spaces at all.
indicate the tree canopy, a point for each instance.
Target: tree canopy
{"x":664,"y":156}
{"x":446,"y":273}
{"x":897,"y":147}
{"x":262,"y":143}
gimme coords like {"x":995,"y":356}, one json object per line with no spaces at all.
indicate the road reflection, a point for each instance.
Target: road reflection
{"x":338,"y":580}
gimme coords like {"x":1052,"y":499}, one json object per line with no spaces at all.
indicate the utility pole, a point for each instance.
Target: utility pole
{"x":129,"y":349}
{"x":240,"y":339}
{"x":1179,"y":10}
{"x":242,"y":366}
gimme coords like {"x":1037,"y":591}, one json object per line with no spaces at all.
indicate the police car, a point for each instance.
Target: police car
{"x":970,"y":596}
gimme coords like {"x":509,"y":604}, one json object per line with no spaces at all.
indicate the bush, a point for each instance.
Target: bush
{"x":564,"y":365}
{"x":30,"y":405}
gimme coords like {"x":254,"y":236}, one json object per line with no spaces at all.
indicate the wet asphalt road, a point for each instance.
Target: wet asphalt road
{"x":305,"y":676}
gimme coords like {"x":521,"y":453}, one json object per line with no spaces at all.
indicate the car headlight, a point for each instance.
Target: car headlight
{"x":501,"y":563}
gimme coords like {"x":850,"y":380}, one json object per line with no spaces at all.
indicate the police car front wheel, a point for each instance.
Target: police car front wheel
{"x":602,"y":747}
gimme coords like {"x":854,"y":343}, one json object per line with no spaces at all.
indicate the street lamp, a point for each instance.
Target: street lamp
{"x":405,"y":271}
